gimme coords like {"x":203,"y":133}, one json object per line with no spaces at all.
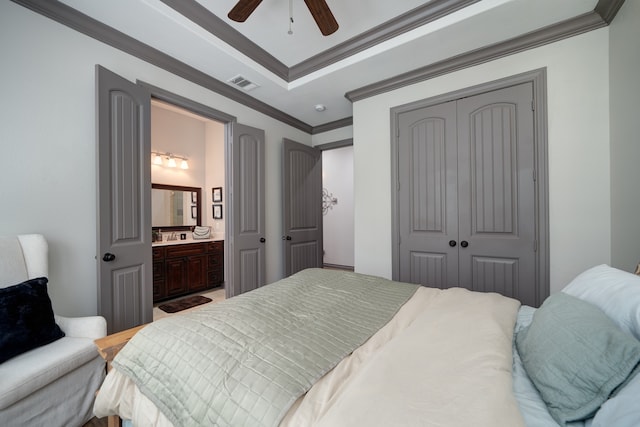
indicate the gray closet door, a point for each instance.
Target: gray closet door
{"x":246,"y":194}
{"x":125,"y":277}
{"x":466,"y":199}
{"x":302,"y":206}
{"x":428,"y":197}
{"x":496,"y":193}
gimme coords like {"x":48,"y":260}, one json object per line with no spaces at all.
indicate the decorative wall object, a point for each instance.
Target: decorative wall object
{"x":328,"y":201}
{"x":216,"y":194}
{"x":217,"y":211}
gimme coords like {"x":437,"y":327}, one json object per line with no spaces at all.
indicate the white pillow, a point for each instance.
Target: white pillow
{"x":614,"y":291}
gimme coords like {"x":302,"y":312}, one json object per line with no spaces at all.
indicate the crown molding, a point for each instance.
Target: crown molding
{"x":406,"y":22}
{"x":608,"y":9}
{"x":421,"y":15}
{"x":602,"y":15}
{"x":88,"y":26}
{"x":347,"y":121}
{"x":335,"y":144}
{"x":195,"y":12}
{"x":552,"y":33}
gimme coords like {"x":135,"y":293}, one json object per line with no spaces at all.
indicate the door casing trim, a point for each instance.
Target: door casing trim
{"x":227,"y":120}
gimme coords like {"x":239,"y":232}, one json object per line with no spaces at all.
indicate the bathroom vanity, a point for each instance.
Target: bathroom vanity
{"x":186,"y":267}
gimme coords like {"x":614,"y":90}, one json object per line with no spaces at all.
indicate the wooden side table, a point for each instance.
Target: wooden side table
{"x":108,"y":347}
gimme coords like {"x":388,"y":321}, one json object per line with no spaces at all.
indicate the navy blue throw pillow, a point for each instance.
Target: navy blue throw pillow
{"x":26,"y":318}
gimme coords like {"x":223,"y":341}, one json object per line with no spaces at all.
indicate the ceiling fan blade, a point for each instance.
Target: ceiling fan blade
{"x":243,"y":9}
{"x":323,"y":16}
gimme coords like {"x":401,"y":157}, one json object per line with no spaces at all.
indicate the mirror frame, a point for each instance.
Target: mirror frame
{"x":198,"y":190}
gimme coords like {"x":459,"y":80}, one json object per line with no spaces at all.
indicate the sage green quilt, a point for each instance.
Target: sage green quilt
{"x":243,"y":362}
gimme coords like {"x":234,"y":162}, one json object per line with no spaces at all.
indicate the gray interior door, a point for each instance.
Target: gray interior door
{"x":247,"y":266}
{"x":496,"y":199}
{"x":428,"y":196}
{"x":125,"y":276}
{"x":466,"y":197}
{"x":301,"y":206}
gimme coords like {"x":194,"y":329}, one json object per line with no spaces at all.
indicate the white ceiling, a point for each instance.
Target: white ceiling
{"x":479,"y":24}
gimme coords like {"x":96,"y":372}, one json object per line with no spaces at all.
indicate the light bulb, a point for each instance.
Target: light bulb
{"x":184,"y":164}
{"x":172,"y":162}
{"x":157,"y":160}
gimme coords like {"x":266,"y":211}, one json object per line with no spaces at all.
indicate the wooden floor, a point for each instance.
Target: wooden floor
{"x":96,"y":422}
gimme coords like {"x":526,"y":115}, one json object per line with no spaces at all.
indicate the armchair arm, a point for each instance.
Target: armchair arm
{"x":83,"y":327}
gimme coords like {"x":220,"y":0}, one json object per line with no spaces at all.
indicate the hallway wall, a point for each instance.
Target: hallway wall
{"x":337,"y":179}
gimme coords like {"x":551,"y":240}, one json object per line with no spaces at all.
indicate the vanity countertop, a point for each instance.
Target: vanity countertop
{"x":183,"y":242}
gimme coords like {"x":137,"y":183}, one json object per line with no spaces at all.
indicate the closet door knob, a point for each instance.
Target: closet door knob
{"x":262,"y":240}
{"x":108,"y":257}
{"x":464,"y":243}
{"x":452,"y":243}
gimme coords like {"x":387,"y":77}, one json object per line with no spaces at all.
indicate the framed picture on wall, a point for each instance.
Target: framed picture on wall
{"x":194,"y":212}
{"x":216,"y":194}
{"x":194,"y":197}
{"x":217,"y":211}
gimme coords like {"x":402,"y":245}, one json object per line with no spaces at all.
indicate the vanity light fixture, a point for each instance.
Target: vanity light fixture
{"x":158,"y":159}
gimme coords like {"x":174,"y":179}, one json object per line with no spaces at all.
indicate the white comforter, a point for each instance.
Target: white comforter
{"x":444,"y":360}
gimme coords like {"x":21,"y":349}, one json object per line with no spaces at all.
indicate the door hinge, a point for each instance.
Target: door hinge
{"x":535,"y":176}
{"x":535,"y":246}
{"x":398,"y":186}
{"x":533,"y":107}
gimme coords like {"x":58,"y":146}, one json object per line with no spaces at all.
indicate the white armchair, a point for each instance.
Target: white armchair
{"x":54,"y":384}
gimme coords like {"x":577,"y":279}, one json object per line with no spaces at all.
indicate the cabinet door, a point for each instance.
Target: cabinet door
{"x":159,"y":287}
{"x":196,"y":273}
{"x":176,"y":275}
{"x":215,"y":268}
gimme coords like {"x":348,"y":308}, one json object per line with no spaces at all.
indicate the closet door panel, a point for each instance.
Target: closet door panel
{"x":496,"y":197}
{"x":427,"y":196}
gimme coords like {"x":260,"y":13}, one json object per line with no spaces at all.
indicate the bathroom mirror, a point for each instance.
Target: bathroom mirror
{"x":175,"y":207}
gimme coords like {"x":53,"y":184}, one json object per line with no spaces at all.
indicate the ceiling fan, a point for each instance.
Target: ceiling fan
{"x":318,"y":8}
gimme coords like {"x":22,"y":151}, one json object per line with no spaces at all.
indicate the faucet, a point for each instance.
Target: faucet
{"x":172,"y":236}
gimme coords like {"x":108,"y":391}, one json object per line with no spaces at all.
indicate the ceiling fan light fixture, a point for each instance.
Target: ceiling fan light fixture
{"x":319,"y":10}
{"x":320,"y":107}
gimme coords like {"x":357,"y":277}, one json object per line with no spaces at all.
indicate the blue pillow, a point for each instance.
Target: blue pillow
{"x":26,"y":318}
{"x":576,"y":356}
{"x":622,"y":410}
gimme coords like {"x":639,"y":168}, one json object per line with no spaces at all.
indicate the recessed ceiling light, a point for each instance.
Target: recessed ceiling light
{"x":320,"y":107}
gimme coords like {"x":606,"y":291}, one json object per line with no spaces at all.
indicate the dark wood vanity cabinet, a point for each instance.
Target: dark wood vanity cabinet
{"x":186,"y":268}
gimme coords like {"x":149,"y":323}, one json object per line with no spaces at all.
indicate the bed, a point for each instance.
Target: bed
{"x":333,"y":348}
